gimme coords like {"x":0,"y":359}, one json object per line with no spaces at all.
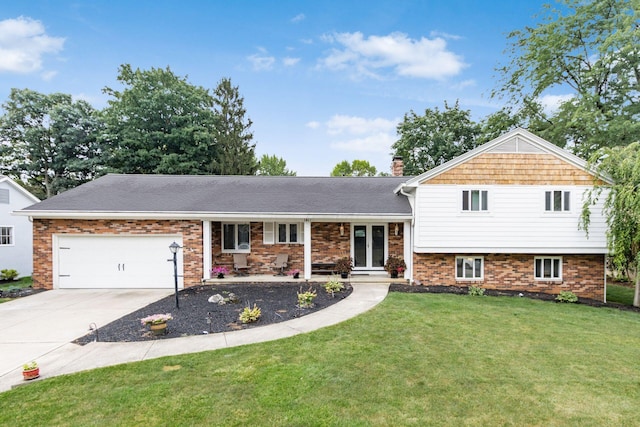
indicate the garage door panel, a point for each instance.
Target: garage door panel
{"x":91,"y":261}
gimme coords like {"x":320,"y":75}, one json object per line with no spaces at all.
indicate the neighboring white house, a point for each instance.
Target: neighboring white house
{"x":16,"y":232}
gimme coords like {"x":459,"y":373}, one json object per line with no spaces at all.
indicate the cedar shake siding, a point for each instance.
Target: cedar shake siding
{"x":44,"y":229}
{"x":581,"y":274}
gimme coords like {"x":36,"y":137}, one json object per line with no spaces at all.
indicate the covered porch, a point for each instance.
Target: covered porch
{"x":307,"y":243}
{"x":314,"y":278}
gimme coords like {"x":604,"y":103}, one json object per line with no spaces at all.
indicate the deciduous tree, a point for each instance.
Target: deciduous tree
{"x":355,"y":168}
{"x":48,"y":142}
{"x":621,"y":205}
{"x":273,"y":166}
{"x":589,"y":50}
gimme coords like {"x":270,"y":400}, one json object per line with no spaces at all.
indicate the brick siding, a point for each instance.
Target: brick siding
{"x":44,"y":229}
{"x":581,"y":274}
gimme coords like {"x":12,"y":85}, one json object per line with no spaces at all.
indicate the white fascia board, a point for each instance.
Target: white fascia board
{"x":207,"y":216}
{"x":19,"y":188}
{"x":488,"y":250}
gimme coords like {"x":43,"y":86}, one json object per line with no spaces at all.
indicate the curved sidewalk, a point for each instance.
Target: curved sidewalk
{"x":71,"y":358}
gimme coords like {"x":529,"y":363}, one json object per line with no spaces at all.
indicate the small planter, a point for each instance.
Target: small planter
{"x":31,"y":374}
{"x":344,"y":275}
{"x":220,"y":275}
{"x":296,"y":276}
{"x":158,"y":328}
{"x":394,"y":274}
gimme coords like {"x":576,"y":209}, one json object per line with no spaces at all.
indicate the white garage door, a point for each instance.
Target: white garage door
{"x":97,"y":261}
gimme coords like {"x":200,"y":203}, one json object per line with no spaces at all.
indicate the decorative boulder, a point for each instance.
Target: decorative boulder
{"x":216,"y":299}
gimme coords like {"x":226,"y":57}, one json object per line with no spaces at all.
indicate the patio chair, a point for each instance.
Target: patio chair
{"x":281,"y":263}
{"x":240,"y":265}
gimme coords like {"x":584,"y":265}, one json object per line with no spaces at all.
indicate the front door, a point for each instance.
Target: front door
{"x":369,"y":246}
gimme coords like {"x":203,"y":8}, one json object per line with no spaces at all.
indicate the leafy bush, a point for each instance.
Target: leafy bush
{"x":8,"y":274}
{"x":566,"y":296}
{"x":305,"y":299}
{"x":249,"y":315}
{"x":476,"y":291}
{"x":333,"y":286}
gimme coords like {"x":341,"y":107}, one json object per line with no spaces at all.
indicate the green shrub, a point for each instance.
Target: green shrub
{"x":249,"y":315}
{"x":476,"y":291}
{"x":8,"y":274}
{"x":333,"y":286}
{"x":566,"y":296}
{"x":305,"y":299}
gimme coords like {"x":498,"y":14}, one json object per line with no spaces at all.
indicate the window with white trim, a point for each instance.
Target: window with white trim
{"x":557,"y":201}
{"x":548,"y":268}
{"x":469,"y":268}
{"x":236,"y":237}
{"x":289,"y":233}
{"x":6,"y":236}
{"x":475,"y":200}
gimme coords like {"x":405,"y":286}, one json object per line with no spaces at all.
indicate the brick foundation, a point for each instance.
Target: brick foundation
{"x":581,"y":274}
{"x":44,"y":229}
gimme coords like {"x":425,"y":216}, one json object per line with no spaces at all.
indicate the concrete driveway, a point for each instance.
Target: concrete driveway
{"x":34,"y":326}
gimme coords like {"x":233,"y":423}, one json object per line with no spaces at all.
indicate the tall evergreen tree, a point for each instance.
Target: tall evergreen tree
{"x":236,"y":154}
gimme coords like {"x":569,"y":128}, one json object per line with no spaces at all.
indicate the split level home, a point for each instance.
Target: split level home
{"x":16,"y":237}
{"x":502,"y":216}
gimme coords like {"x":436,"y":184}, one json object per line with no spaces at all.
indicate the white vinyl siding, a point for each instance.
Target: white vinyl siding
{"x":516,"y":223}
{"x":548,"y":268}
{"x":4,"y":196}
{"x":6,"y":236}
{"x":469,"y":268}
{"x":236,"y":237}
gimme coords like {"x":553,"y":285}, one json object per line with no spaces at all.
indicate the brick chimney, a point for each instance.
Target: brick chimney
{"x":397,"y":166}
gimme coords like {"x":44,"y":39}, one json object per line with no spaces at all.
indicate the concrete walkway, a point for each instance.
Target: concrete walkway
{"x":57,"y":355}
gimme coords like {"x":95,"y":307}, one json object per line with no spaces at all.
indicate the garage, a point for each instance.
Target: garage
{"x":115,"y":261}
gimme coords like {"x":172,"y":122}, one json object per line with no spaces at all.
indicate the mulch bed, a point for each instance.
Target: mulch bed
{"x":463,"y":290}
{"x":198,"y":316}
{"x":17,"y":292}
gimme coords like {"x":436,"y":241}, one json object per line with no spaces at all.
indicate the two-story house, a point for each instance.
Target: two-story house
{"x":16,"y":238}
{"x":504,"y":216}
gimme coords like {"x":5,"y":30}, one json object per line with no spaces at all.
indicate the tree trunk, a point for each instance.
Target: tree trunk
{"x":636,"y":294}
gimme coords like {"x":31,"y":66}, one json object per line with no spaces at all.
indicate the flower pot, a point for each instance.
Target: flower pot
{"x":31,"y":374}
{"x":344,"y":275}
{"x":296,"y":276}
{"x":220,"y":275}
{"x":158,"y":328}
{"x":394,"y":274}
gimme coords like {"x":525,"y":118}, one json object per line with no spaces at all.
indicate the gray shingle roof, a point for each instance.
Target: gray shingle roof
{"x":232,"y":195}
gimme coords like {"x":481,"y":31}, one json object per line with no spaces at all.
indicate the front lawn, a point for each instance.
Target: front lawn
{"x":416,"y":359}
{"x":620,"y":294}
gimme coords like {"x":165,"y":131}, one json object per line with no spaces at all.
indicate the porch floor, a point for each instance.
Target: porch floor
{"x":321,"y":278}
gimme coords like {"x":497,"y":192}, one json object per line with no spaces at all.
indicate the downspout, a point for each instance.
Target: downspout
{"x":410,"y":198}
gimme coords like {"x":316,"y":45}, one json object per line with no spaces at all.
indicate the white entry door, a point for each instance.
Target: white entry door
{"x":369,"y":246}
{"x":96,"y":261}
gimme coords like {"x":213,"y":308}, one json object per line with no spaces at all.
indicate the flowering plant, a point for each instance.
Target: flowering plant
{"x":395,"y":264}
{"x":156,"y":319}
{"x":294,"y":272}
{"x":221,"y":269}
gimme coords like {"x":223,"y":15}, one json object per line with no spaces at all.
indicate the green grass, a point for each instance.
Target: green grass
{"x":620,"y":294}
{"x":416,"y":359}
{"x":23,"y":282}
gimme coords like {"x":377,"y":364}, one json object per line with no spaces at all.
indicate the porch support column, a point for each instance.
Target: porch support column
{"x":307,"y":249}
{"x":408,"y":253}
{"x":206,"y":250}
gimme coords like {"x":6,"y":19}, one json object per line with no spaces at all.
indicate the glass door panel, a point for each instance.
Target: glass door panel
{"x":360,"y":246}
{"x":377,"y":246}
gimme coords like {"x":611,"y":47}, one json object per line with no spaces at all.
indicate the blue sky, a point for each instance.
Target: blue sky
{"x":323,"y":81}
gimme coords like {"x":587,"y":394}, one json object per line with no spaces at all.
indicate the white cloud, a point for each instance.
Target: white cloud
{"x":368,"y":57}
{"x":464,"y":84}
{"x":23,"y":42}
{"x":341,"y":124}
{"x":359,"y":134}
{"x":551,"y":103}
{"x":261,"y":61}
{"x":290,"y":62}
{"x":48,"y":75}
{"x":299,"y":17}
{"x":445,"y":35}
